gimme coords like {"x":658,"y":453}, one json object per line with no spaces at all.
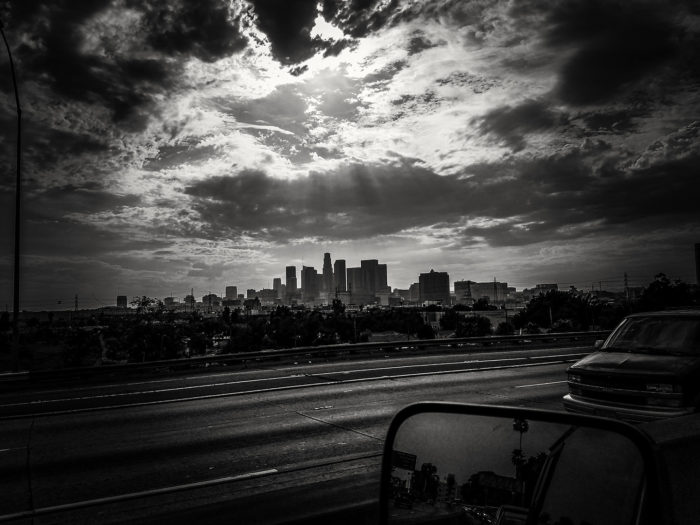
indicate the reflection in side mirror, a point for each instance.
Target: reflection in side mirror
{"x":598,"y":344}
{"x":510,"y":467}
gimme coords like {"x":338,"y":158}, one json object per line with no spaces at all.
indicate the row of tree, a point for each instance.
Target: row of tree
{"x":156,"y":333}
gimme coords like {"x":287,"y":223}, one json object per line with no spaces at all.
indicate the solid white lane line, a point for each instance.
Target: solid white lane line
{"x":280,"y":388}
{"x":296,"y":368}
{"x":141,"y":392}
{"x":248,"y":475}
{"x":134,"y":495}
{"x":540,"y":384}
{"x":244,"y":381}
{"x":427,"y":365}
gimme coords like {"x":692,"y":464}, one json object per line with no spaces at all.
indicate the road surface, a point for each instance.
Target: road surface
{"x":264,"y":445}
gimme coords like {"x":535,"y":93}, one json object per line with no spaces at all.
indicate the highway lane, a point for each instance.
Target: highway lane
{"x":259,"y":421}
{"x":246,"y":381}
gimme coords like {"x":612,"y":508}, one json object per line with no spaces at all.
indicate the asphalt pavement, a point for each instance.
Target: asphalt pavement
{"x":240,"y":441}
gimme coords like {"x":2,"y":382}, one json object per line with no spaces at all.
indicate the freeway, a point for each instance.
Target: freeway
{"x":265,"y":444}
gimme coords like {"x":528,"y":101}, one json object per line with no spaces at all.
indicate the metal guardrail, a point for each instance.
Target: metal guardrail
{"x":65,"y":375}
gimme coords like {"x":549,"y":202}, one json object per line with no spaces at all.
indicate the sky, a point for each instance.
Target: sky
{"x":172,"y":145}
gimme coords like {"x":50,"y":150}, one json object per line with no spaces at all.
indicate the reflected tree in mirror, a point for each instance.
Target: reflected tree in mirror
{"x":474,"y":469}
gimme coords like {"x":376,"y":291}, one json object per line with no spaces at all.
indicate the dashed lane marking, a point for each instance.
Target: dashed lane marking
{"x":540,"y":384}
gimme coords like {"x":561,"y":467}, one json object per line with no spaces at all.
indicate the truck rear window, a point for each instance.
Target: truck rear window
{"x":657,"y":335}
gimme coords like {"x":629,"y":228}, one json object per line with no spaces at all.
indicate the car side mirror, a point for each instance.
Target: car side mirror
{"x":453,"y":463}
{"x":598,"y":344}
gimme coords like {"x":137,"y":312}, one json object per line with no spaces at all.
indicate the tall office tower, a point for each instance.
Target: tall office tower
{"x":291,"y":279}
{"x":309,"y":283}
{"x":277,"y":286}
{"x":339,"y":275}
{"x":369,"y":275}
{"x":121,"y":301}
{"x":327,"y":273}
{"x":354,"y":283}
{"x":231,"y":292}
{"x":381,"y":279}
{"x":434,"y":286}
{"x":319,"y":283}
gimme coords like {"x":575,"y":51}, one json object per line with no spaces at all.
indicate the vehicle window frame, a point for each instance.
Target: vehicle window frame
{"x":650,"y":503}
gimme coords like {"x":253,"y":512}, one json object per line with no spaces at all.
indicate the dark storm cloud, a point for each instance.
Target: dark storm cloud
{"x":48,"y":231}
{"x":56,"y":27}
{"x":123,"y":83}
{"x":44,"y":149}
{"x":66,"y":238}
{"x":359,"y":18}
{"x":515,"y":202}
{"x":666,"y":190}
{"x":88,"y":198}
{"x":353,"y":202}
{"x":564,"y":197}
{"x":288,"y":26}
{"x":512,"y":124}
{"x":55,"y":236}
{"x":616,"y":46}
{"x":200,"y":28}
{"x":610,"y":121}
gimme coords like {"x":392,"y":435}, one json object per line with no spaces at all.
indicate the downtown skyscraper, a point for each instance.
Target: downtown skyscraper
{"x":327,"y":286}
{"x":339,"y":275}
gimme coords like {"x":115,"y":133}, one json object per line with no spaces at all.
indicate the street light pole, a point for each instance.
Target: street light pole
{"x":18,"y":191}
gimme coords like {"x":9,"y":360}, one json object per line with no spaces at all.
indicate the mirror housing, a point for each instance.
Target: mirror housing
{"x":598,"y":344}
{"x":474,"y":464}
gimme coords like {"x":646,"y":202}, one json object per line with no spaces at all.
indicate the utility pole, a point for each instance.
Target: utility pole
{"x":18,"y":200}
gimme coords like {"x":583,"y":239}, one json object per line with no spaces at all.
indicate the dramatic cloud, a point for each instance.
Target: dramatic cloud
{"x":614,"y":46}
{"x":117,"y":54}
{"x":170,"y":144}
{"x":512,"y":124}
{"x":288,"y":26}
{"x":205,"y":29}
{"x":561,"y":197}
